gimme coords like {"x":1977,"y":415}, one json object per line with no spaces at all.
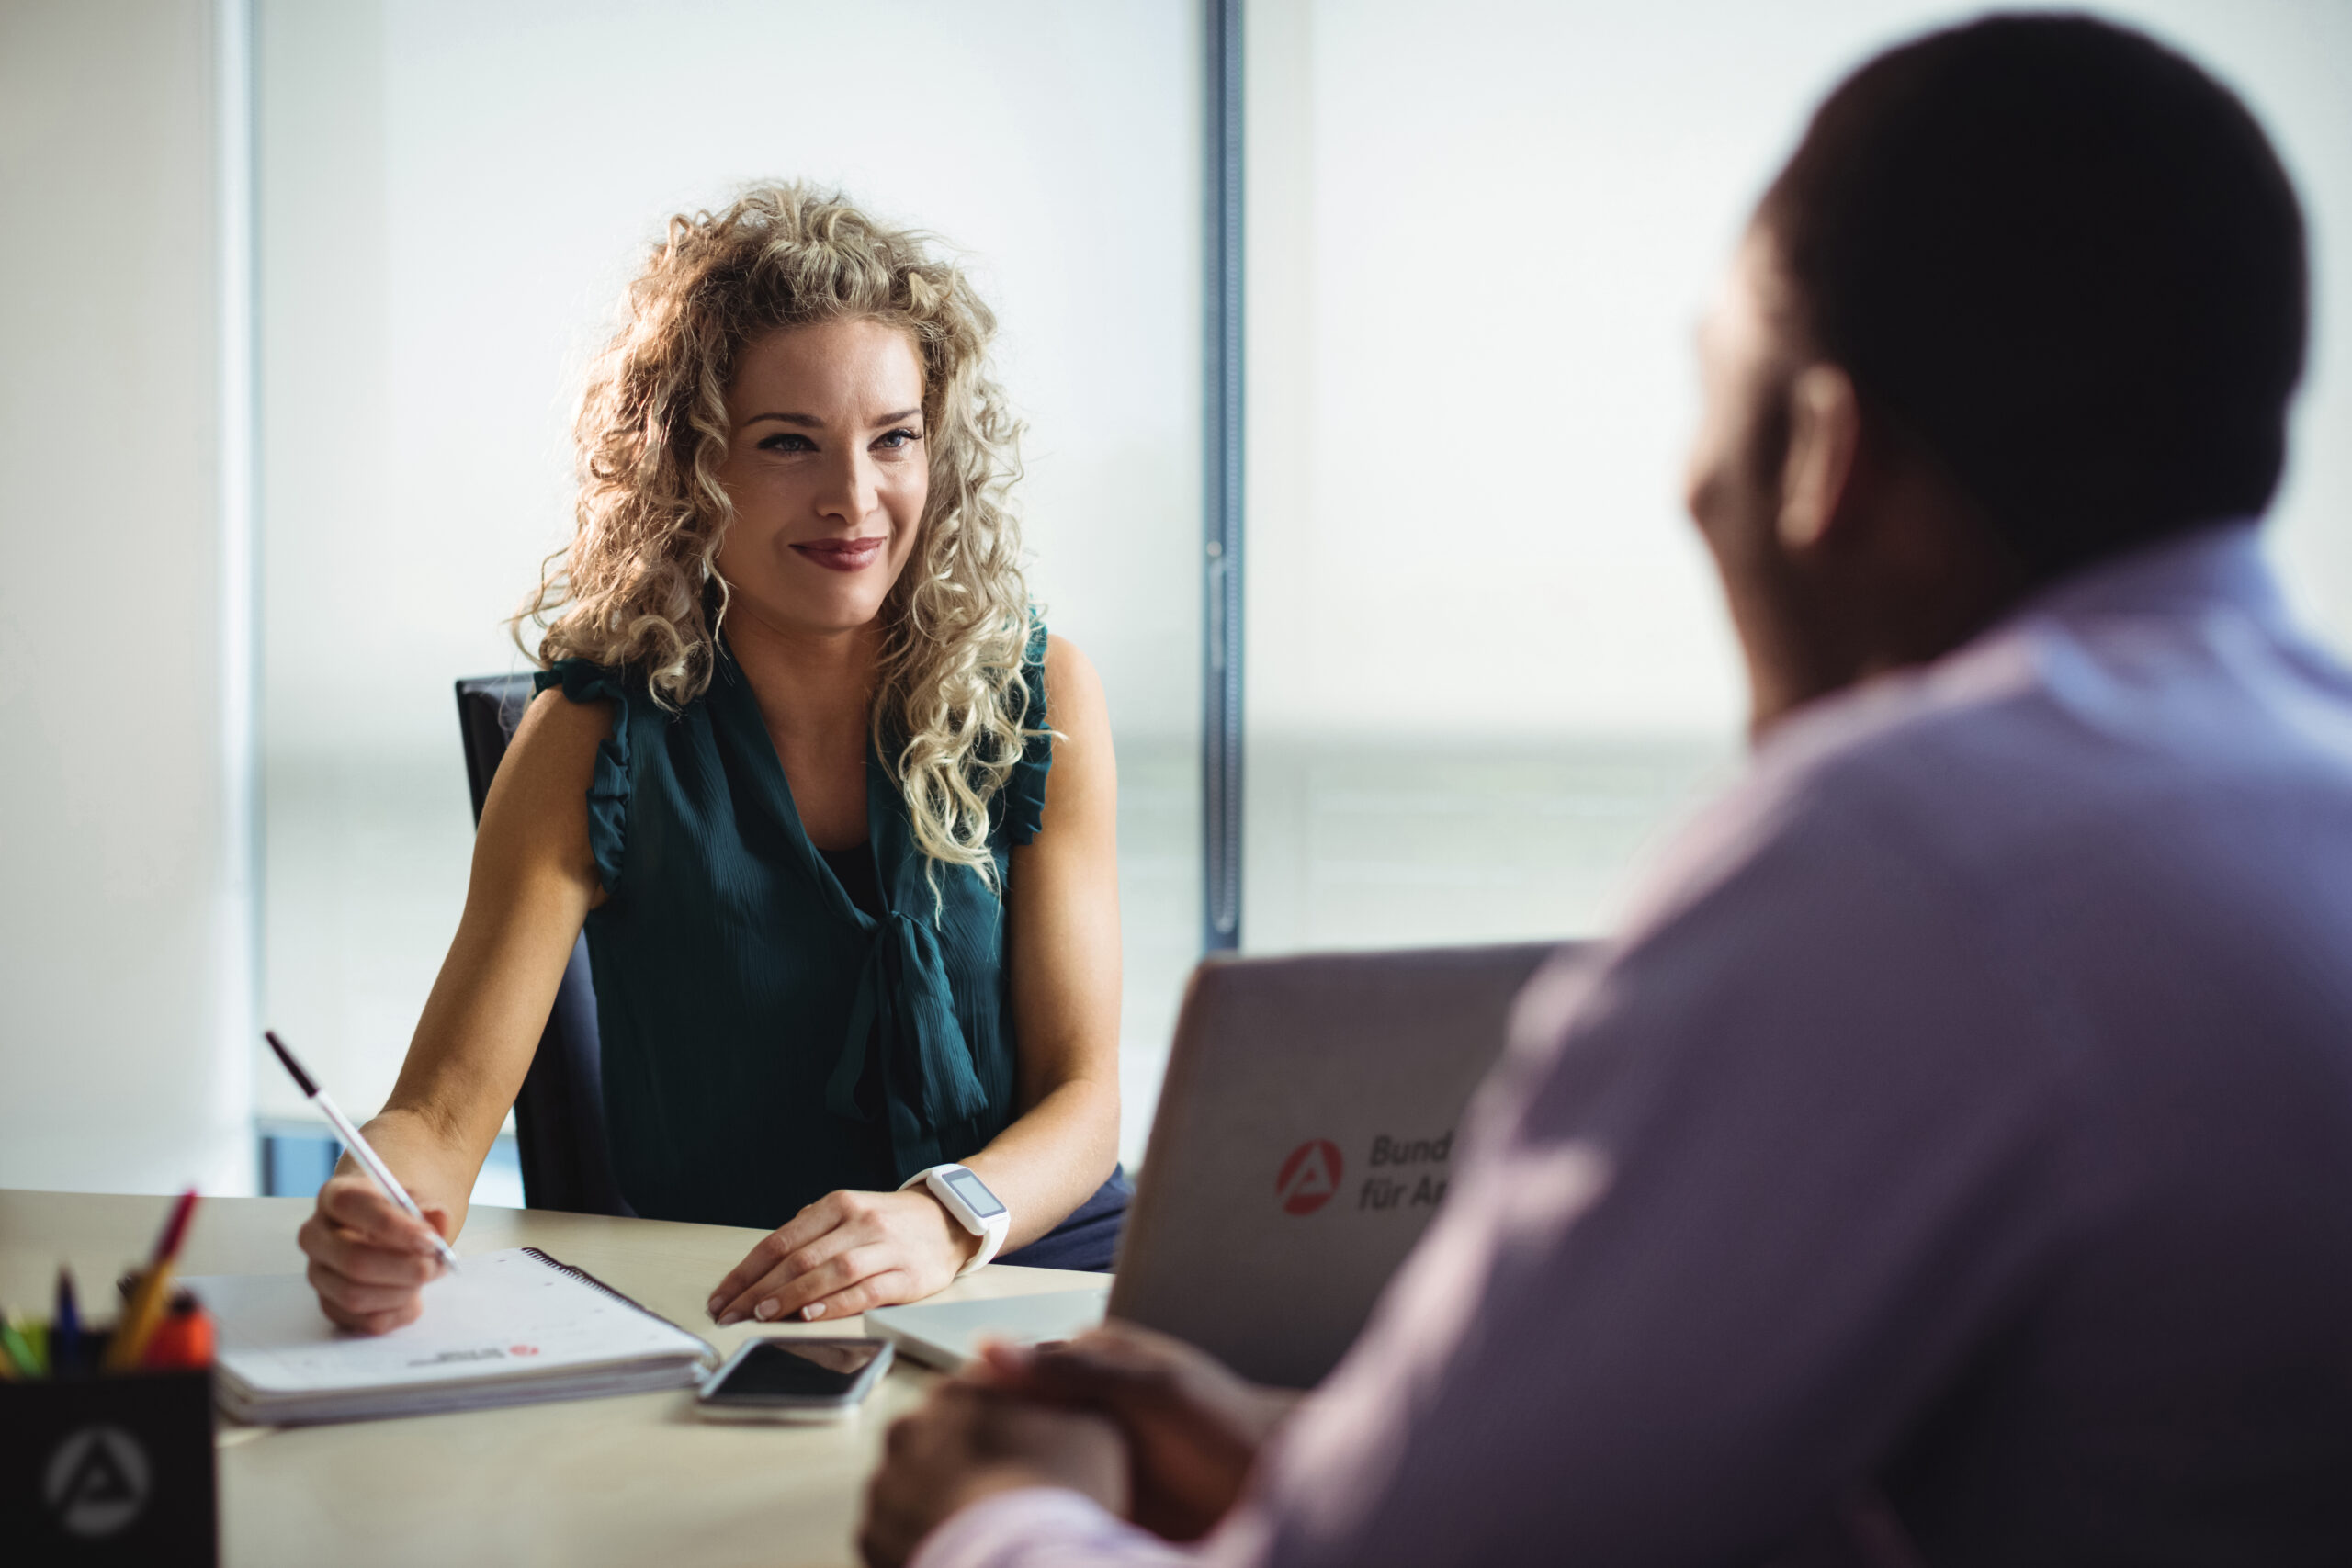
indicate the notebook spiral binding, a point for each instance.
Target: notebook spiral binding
{"x":593,"y":1282}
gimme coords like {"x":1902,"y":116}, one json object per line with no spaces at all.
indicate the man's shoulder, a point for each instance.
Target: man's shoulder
{"x":2049,"y":883}
{"x":2046,"y":741}
{"x":1911,"y":766}
{"x":1981,"y":725}
{"x":2045,"y":790}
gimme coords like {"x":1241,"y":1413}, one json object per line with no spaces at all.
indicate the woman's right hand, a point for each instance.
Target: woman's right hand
{"x":369,"y":1259}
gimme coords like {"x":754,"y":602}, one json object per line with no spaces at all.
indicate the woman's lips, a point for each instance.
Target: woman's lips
{"x":843,"y":554}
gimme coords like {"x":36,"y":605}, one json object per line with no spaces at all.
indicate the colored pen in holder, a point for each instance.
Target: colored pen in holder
{"x":106,"y":1433}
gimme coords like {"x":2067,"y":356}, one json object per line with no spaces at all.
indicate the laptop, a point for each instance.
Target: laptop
{"x":1306,"y":1134}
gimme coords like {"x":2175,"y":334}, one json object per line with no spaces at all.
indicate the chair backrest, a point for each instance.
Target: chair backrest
{"x":560,"y":1115}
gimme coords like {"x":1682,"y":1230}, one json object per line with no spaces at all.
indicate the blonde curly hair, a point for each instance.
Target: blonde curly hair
{"x":638,"y":586}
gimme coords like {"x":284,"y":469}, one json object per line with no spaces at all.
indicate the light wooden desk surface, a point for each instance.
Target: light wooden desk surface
{"x":637,"y":1480}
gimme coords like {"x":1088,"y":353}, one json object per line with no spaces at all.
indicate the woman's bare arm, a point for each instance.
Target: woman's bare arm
{"x":1062,"y":947}
{"x":534,"y":881}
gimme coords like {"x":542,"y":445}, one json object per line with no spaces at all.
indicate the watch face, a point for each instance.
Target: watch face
{"x":974,"y":1193}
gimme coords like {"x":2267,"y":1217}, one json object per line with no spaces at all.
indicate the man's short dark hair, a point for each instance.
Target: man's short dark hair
{"x":2067,"y":262}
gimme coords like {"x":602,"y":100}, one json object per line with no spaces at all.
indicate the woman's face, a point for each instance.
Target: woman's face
{"x":826,"y":466}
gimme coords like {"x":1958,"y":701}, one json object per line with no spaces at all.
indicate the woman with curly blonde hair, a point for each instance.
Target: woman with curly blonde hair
{"x":836,"y":814}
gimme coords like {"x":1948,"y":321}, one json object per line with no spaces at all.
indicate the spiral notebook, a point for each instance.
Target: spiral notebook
{"x":509,"y":1328}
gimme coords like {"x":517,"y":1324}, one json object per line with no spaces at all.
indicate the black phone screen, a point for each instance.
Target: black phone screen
{"x":786,"y":1369}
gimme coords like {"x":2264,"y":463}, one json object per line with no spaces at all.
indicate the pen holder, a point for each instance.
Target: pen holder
{"x":97,"y":1470}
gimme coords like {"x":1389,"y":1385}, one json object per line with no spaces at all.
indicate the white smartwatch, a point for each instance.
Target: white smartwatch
{"x":976,"y":1209}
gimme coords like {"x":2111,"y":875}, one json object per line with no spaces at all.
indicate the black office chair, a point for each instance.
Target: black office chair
{"x":560,"y":1115}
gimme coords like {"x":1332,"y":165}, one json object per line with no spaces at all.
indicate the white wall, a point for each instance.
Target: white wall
{"x":121,"y":949}
{"x":452,"y":197}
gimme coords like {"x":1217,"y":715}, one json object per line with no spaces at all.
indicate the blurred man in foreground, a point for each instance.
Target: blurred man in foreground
{"x":1951,"y":1162}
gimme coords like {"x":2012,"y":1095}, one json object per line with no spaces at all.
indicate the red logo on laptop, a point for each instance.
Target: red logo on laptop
{"x":1309,"y":1177}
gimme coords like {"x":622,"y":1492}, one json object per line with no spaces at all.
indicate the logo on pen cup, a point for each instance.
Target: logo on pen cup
{"x":96,"y":1481}
{"x":1309,"y":1177}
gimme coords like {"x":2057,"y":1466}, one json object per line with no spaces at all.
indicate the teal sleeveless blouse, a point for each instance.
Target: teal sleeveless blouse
{"x":766,"y":1041}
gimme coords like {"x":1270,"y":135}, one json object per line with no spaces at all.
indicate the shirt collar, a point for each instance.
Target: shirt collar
{"x":2222,"y":564}
{"x":2191,"y":574}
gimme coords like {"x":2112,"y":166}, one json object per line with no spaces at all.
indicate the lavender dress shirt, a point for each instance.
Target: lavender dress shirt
{"x":1950,"y":1162}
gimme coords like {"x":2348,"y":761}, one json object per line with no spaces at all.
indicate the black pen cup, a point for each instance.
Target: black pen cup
{"x":99,"y":1470}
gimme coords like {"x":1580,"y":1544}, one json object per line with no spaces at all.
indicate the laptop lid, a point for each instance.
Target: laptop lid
{"x":1304,"y":1134}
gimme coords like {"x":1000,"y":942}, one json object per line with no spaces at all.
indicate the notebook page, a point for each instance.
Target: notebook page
{"x":505,"y":1315}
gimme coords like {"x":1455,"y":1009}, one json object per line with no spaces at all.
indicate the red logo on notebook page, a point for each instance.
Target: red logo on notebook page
{"x":521,"y":1349}
{"x":1309,"y":1177}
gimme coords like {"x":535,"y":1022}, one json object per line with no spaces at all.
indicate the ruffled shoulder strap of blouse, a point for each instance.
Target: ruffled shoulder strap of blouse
{"x":608,"y":786}
{"x":1024,"y":787}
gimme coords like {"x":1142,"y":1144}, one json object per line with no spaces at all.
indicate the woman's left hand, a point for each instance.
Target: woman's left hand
{"x":844,"y":1253}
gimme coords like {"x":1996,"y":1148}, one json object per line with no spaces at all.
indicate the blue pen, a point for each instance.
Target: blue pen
{"x":65,"y":1332}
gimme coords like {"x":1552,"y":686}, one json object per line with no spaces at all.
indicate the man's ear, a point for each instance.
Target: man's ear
{"x":1825,"y":434}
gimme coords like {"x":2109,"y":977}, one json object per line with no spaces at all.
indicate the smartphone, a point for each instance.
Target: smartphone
{"x":794,"y":1380}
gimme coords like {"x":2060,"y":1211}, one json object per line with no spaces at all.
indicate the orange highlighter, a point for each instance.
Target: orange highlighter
{"x":182,"y":1341}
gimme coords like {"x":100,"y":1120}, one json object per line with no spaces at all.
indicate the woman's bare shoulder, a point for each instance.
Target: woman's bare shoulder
{"x":1084,"y":767}
{"x":538,"y":803}
{"x":558,"y":734}
{"x":1073,"y":689}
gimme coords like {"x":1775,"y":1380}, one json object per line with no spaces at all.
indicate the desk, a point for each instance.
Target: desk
{"x":582,"y":1483}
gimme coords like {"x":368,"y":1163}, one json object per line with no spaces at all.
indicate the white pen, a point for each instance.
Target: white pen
{"x":358,"y":1144}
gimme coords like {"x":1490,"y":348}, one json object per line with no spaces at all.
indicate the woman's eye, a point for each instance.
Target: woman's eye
{"x":786,"y":441}
{"x":897,"y":440}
